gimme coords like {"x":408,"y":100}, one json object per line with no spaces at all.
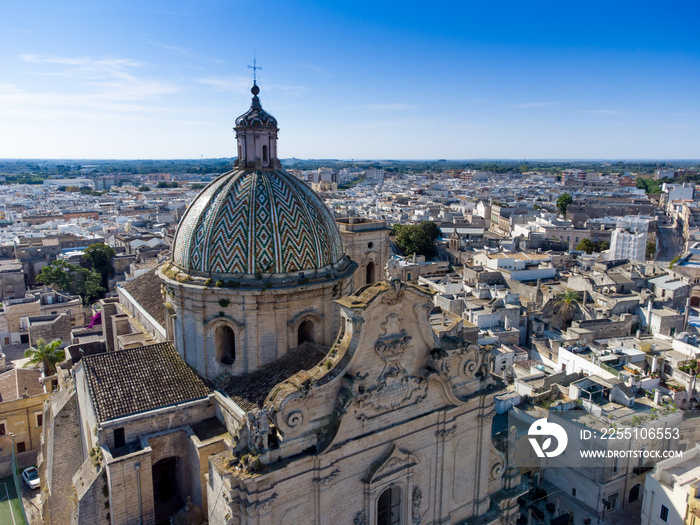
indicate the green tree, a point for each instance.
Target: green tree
{"x":563,"y":203}
{"x":143,"y":188}
{"x":567,"y":303}
{"x":46,"y":354}
{"x":71,"y":278}
{"x":58,"y":273}
{"x":88,"y":284}
{"x":651,"y":249}
{"x":589,"y":246}
{"x":586,"y":245}
{"x":415,"y":238}
{"x":197,"y":186}
{"x":648,"y":184}
{"x":431,"y":229}
{"x":101,"y":256}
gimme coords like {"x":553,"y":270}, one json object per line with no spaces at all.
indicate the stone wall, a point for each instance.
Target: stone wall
{"x":61,"y":456}
{"x":125,"y":476}
{"x":50,"y":327}
{"x":108,"y":307}
{"x":264,"y":322}
{"x":20,"y":419}
{"x":154,"y":421}
{"x":92,"y":505}
{"x":365,"y":241}
{"x":606,"y":328}
{"x":12,"y":284}
{"x":13,"y":313}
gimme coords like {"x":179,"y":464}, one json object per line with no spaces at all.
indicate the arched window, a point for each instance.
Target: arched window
{"x":634,"y":493}
{"x":225,"y":345}
{"x":389,"y":507}
{"x":370,"y":273}
{"x":264,"y":153}
{"x":305,"y":332}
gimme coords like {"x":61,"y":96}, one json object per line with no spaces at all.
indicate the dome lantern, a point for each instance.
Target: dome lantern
{"x":256,"y":133}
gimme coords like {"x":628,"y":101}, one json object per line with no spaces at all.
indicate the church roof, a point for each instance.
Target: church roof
{"x":145,"y":289}
{"x":140,"y":379}
{"x":256,"y":221}
{"x":250,"y":391}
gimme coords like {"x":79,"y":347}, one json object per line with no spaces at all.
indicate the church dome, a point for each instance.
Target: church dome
{"x":250,"y":222}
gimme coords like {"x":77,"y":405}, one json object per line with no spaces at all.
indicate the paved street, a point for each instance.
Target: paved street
{"x":669,"y":244}
{"x":32,"y":503}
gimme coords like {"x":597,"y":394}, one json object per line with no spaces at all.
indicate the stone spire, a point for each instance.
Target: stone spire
{"x":256,"y":133}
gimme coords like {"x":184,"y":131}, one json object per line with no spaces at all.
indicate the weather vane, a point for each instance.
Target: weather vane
{"x":255,"y":68}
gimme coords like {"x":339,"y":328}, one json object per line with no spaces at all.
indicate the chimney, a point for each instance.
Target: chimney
{"x":657,"y":396}
{"x":686,"y":314}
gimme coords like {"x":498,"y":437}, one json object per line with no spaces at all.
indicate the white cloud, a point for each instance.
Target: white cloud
{"x":91,"y":89}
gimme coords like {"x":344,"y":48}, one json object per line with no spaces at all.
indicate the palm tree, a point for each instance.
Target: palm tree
{"x":567,"y":303}
{"x":48,"y":354}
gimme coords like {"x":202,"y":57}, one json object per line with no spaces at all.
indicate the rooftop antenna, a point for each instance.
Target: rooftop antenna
{"x":255,"y":68}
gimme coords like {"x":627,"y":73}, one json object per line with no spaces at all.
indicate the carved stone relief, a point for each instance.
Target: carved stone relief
{"x":394,"y":387}
{"x":258,"y":429}
{"x":360,"y":518}
{"x":328,"y":480}
{"x":253,"y":508}
{"x":416,"y":499}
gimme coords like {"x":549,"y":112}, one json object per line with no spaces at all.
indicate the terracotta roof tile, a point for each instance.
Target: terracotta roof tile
{"x":140,"y":379}
{"x":146,"y":290}
{"x":250,"y":391}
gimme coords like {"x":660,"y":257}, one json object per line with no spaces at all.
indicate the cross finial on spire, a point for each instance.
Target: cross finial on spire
{"x":255,"y":68}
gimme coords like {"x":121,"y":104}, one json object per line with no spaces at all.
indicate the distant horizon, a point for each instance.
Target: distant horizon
{"x":363,"y":160}
{"x":372,"y":80}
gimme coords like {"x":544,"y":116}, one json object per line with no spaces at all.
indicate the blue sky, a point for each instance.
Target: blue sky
{"x":363,"y":80}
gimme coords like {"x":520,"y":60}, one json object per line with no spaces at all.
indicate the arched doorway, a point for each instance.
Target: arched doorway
{"x":694,"y":300}
{"x":166,"y":494}
{"x":389,"y":507}
{"x":305,"y":332}
{"x":369,"y":274}
{"x":634,"y":493}
{"x":225,"y":345}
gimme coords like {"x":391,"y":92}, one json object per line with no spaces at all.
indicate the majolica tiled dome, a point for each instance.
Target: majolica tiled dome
{"x":256,"y":221}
